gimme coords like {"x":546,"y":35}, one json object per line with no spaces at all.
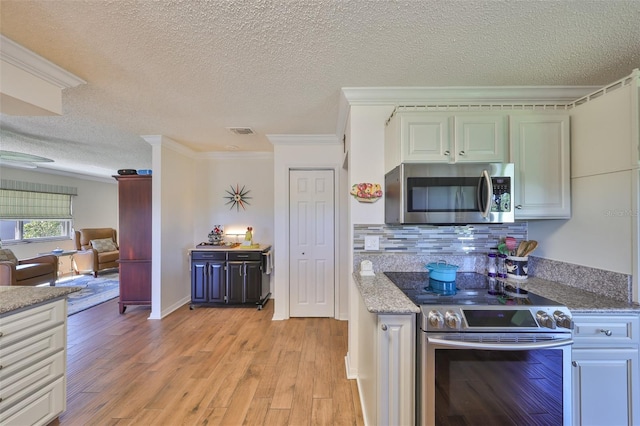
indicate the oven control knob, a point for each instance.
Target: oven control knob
{"x":545,"y":320}
{"x":453,"y":320}
{"x":563,"y":320}
{"x":435,"y":319}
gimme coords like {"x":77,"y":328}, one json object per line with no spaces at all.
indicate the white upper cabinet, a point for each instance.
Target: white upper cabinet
{"x":419,"y":137}
{"x":540,"y":151}
{"x":480,"y":139}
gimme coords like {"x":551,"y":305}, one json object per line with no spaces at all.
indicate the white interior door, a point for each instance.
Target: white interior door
{"x":311,"y":243}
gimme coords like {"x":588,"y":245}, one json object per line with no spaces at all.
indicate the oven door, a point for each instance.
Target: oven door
{"x":495,"y":379}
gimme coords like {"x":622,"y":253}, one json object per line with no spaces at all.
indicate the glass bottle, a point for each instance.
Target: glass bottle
{"x":492,"y":265}
{"x":502,"y":267}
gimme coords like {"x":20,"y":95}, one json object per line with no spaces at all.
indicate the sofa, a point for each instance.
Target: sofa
{"x":32,"y":271}
{"x":97,"y":250}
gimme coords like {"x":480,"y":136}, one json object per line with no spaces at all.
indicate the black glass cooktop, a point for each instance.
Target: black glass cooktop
{"x":469,"y":288}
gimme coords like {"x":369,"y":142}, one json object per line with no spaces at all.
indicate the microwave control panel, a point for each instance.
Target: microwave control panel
{"x":501,"y":194}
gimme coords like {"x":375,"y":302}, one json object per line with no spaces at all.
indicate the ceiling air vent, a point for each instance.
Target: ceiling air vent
{"x":241,"y":130}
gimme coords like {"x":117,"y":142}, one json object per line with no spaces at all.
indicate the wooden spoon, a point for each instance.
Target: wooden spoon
{"x":531,"y":246}
{"x":521,"y":247}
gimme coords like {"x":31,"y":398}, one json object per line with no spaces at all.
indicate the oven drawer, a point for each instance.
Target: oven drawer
{"x":618,"y":330}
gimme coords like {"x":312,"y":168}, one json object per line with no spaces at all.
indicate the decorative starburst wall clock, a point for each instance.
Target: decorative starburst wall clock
{"x":237,"y":197}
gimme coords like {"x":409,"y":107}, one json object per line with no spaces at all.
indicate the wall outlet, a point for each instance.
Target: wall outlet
{"x":371,"y":242}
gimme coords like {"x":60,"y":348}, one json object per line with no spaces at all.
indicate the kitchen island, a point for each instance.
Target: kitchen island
{"x":33,"y":340}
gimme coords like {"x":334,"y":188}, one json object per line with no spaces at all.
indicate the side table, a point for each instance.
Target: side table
{"x":69,"y":253}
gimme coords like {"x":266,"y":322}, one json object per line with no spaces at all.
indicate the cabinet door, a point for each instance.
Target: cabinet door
{"x":235,"y":282}
{"x":135,"y":213}
{"x":540,"y":152}
{"x":425,"y":137}
{"x":480,"y":139}
{"x":135,"y":283}
{"x":253,"y":281}
{"x":603,"y":380}
{"x":198,"y":282}
{"x":396,"y":372}
{"x":216,"y":282}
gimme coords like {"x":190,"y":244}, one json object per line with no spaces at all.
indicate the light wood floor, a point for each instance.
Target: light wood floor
{"x":209,"y":366}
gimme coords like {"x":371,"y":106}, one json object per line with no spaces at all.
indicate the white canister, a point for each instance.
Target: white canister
{"x":517,"y":267}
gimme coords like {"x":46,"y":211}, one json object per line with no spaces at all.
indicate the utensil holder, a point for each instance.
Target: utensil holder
{"x":517,"y":267}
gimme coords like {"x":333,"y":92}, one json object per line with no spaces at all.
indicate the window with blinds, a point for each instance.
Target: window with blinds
{"x":31,"y":212}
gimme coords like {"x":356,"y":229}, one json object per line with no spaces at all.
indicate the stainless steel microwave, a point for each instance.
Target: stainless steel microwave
{"x":449,"y":193}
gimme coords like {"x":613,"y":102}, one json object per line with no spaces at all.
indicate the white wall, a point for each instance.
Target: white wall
{"x":95,"y":206}
{"x":221,"y":172}
{"x":603,"y":230}
{"x":599,"y":233}
{"x":304,"y":152}
{"x":365,"y":129}
{"x":172,"y":225}
{"x":216,"y":173}
{"x":366,"y":158}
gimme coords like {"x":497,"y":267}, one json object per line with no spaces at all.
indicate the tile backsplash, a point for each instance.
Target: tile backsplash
{"x":437,"y":240}
{"x":410,"y":247}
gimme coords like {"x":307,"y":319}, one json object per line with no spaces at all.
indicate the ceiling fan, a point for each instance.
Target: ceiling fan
{"x":18,"y":159}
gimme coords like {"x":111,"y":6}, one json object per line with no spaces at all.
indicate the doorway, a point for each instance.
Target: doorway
{"x":311,"y":243}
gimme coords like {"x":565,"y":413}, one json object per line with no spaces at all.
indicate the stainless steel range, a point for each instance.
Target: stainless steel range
{"x":489,"y":352}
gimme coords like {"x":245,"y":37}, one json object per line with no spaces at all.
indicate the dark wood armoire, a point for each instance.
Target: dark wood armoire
{"x":134,"y":207}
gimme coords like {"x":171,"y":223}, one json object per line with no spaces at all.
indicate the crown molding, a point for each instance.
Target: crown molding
{"x":456,"y":95}
{"x":500,"y":95}
{"x":23,"y":58}
{"x":304,"y":139}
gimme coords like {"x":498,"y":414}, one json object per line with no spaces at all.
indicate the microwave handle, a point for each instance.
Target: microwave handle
{"x":487,"y":205}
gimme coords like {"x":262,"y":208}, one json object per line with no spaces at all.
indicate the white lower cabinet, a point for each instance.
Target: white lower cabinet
{"x":385,"y":366}
{"x":605,"y":375}
{"x":396,"y":360}
{"x":33,"y":364}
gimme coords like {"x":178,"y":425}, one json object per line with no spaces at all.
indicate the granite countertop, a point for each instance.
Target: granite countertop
{"x":578,"y":300}
{"x":256,"y":247}
{"x":13,"y":298}
{"x":380,"y":295}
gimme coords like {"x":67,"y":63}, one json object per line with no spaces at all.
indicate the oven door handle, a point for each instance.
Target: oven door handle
{"x":456,"y":344}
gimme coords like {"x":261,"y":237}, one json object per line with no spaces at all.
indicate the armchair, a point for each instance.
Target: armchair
{"x":97,"y":250}
{"x":31,"y":271}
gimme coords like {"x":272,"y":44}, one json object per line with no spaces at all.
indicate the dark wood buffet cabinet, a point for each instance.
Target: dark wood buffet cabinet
{"x":233,"y":276}
{"x":134,"y":210}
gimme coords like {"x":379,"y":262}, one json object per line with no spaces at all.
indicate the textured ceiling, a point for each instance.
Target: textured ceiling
{"x":191,"y":69}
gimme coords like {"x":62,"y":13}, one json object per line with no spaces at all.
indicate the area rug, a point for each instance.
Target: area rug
{"x":94,"y":290}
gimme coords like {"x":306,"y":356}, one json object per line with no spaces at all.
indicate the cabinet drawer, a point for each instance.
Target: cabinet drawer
{"x":208,"y":255}
{"x":17,"y":386}
{"x":610,"y":330}
{"x":245,"y":255}
{"x":16,"y":358}
{"x":38,"y":408}
{"x":31,"y":321}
